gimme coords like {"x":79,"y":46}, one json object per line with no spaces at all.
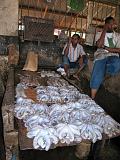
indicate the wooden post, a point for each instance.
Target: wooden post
{"x":76,"y":25}
{"x":46,"y":8}
{"x":64,"y":17}
{"x":73,"y":20}
{"x":10,"y":134}
{"x":118,"y":17}
{"x":90,"y":14}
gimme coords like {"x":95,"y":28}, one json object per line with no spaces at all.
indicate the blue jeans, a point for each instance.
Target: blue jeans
{"x":110,"y":65}
{"x":73,"y":64}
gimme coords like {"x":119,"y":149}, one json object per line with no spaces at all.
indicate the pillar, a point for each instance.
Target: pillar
{"x":118,"y":17}
{"x":9,"y":17}
{"x":90,"y":13}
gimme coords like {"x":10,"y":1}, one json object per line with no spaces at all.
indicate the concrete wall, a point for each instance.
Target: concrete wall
{"x":9,"y":17}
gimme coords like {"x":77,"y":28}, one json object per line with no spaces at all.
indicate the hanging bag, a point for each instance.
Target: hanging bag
{"x":31,"y":63}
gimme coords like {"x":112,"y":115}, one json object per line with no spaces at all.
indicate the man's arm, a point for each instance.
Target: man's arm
{"x":113,"y":50}
{"x":81,"y":55}
{"x":100,"y":42}
{"x":66,"y":49}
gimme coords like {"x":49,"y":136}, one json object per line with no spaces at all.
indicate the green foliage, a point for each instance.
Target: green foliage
{"x":77,"y":5}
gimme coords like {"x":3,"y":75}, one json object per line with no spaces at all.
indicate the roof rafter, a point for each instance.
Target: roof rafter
{"x":60,"y":13}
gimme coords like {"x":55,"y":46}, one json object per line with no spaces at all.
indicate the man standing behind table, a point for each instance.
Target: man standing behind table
{"x":107,"y":55}
{"x":73,"y":54}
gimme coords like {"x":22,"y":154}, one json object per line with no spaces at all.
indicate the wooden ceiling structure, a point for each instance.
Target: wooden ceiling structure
{"x":64,"y":17}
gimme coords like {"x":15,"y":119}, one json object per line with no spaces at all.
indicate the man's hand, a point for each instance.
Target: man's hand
{"x":100,"y":42}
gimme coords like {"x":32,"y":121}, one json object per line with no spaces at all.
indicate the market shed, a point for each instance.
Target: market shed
{"x":39,"y":29}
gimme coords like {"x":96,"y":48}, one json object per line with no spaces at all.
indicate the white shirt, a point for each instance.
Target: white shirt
{"x":111,"y":40}
{"x":74,"y":53}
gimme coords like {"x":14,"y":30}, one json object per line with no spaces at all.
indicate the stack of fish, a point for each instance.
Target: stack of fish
{"x":78,"y":118}
{"x":64,"y":123}
{"x":44,"y":73}
{"x":52,"y":94}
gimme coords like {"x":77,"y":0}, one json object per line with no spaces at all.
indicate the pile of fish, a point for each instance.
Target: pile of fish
{"x":44,"y":73}
{"x":71,"y":122}
{"x":52,"y":94}
{"x":27,"y":80}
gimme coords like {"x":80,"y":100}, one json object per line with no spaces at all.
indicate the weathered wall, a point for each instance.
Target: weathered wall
{"x":9,"y":17}
{"x":3,"y":73}
{"x":5,"y":41}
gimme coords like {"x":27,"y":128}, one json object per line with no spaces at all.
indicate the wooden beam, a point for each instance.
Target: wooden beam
{"x":67,"y":10}
{"x":106,"y":2}
{"x":90,"y":13}
{"x":24,"y":13}
{"x":53,"y":8}
{"x":50,"y":11}
{"x":111,"y":13}
{"x":46,"y":8}
{"x":73,"y":21}
{"x":63,"y":19}
{"x":99,"y":8}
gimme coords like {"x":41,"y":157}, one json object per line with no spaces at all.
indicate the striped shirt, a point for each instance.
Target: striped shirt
{"x":74,"y":53}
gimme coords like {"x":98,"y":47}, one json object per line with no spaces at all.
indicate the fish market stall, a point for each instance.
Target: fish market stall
{"x":53,"y":113}
{"x":50,"y":113}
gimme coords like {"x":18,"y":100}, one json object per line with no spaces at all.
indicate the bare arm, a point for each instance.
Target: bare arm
{"x":66,"y":51}
{"x":113,"y":50}
{"x":100,"y":42}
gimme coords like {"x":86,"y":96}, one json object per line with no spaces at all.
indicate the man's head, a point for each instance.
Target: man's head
{"x":75,"y":39}
{"x":111,"y":24}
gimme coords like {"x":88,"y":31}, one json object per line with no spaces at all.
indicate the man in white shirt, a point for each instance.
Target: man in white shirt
{"x":73,"y":54}
{"x":107,"y":55}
